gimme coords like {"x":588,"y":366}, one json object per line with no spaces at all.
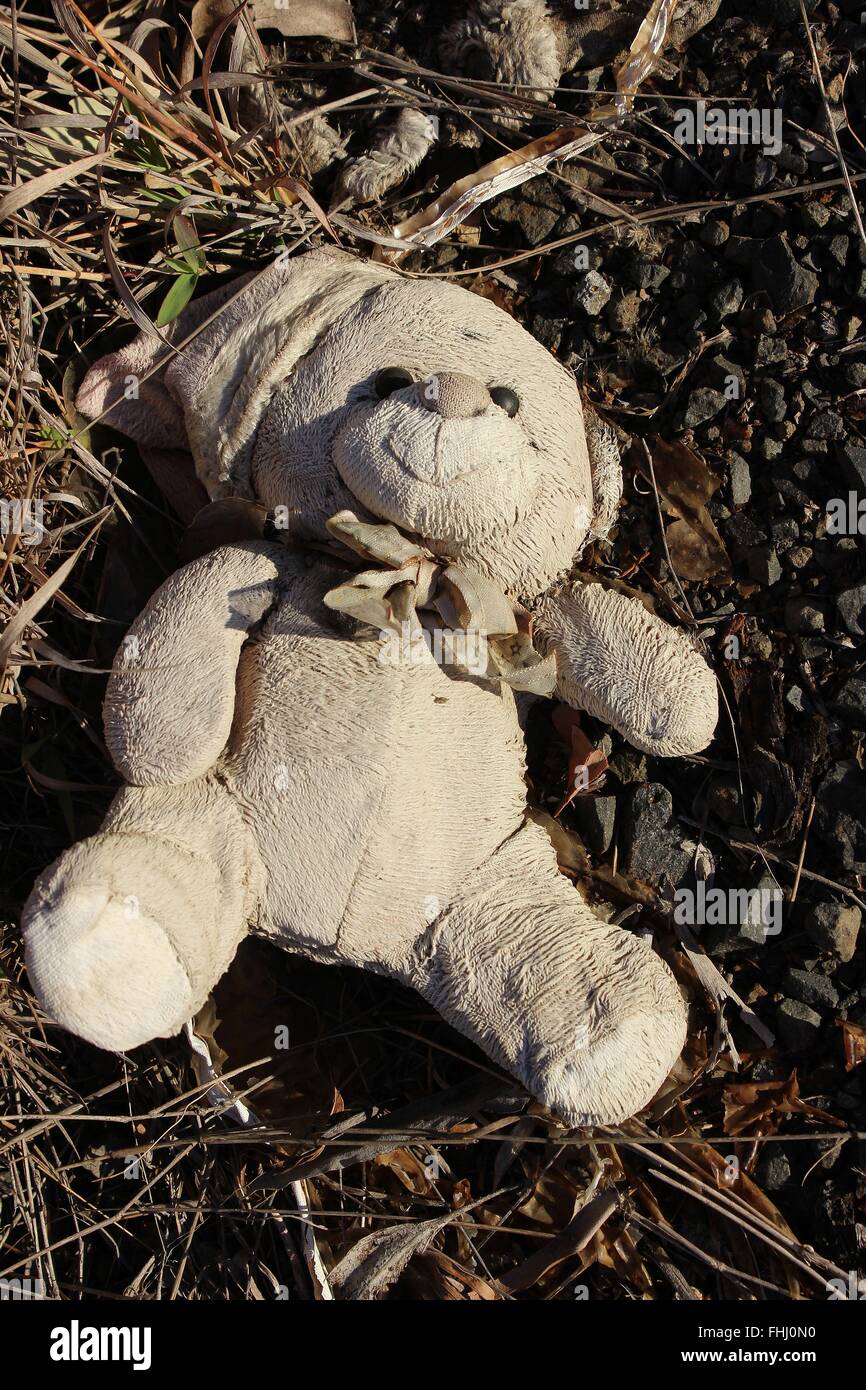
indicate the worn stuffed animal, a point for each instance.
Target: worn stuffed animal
{"x":290,"y":773}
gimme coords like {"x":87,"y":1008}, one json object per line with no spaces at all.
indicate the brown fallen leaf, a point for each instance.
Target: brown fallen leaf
{"x":407,"y":1169}
{"x":297,"y":19}
{"x":586,"y":765}
{"x":686,"y":483}
{"x":756,"y":1108}
{"x":854,"y":1042}
{"x":578,"y":1233}
{"x":434,"y":1276}
{"x":369,"y":1268}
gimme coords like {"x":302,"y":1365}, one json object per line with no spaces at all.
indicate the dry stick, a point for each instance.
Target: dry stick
{"x":738,"y":1220}
{"x":402,"y":1138}
{"x":816,"y":66}
{"x":667,"y":1233}
{"x":803,"y":843}
{"x":666,"y":214}
{"x":74,"y":1111}
{"x":743,"y":1209}
{"x":777,"y":859}
{"x":107,"y":1221}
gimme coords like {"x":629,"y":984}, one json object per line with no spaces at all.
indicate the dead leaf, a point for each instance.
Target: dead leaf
{"x":298,"y":19}
{"x":373,"y":1264}
{"x":570,"y":1241}
{"x":686,"y":483}
{"x":854,"y":1042}
{"x":756,"y":1108}
{"x":436,"y":1277}
{"x":408,"y":1170}
{"x":587,"y":765}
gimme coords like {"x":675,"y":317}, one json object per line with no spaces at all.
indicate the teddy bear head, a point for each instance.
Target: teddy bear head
{"x":416,"y":402}
{"x":441,"y":415}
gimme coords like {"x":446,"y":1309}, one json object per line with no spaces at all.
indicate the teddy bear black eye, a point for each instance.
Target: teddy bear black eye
{"x":391,"y":379}
{"x":506,"y":399}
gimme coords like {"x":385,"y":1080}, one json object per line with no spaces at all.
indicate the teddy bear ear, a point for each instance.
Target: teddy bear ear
{"x":205,"y":390}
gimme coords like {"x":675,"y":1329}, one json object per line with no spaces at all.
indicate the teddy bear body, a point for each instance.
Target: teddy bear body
{"x":359,"y":765}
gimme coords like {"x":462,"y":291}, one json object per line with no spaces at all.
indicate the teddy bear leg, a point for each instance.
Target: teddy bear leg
{"x":585,"y":1014}
{"x":127,"y":932}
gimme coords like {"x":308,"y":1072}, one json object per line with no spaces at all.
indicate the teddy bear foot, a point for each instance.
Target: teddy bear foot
{"x":104,"y":969}
{"x":585,"y":1014}
{"x":126,"y":933}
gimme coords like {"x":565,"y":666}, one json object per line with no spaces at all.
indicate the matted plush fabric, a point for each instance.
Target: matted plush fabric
{"x":291,"y":771}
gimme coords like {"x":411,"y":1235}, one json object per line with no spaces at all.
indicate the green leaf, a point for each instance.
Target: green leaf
{"x":187,"y":239}
{"x":177,"y":299}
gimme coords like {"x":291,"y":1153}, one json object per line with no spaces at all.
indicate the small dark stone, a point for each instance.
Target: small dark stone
{"x":804,"y":615}
{"x":773,"y":401}
{"x":853,"y":461}
{"x":776,"y":270}
{"x":827,"y":425}
{"x":839,"y":814}
{"x":723,"y":374}
{"x":770,"y":350}
{"x":742,"y":532}
{"x":594,"y":817}
{"x":814,"y":216}
{"x":651,"y":849}
{"x":852,"y":609}
{"x":774,"y":1169}
{"x":714,"y":233}
{"x":703,"y":404}
{"x":537,"y":214}
{"x":741,"y":481}
{"x":645,"y":274}
{"x":549,"y":329}
{"x":763,"y":565}
{"x":798,"y":1025}
{"x":726,"y":299}
{"x":770,"y":448}
{"x":850,"y":702}
{"x":810,"y":987}
{"x":758,"y":173}
{"x":838,"y":250}
{"x":591,"y":293}
{"x":834,"y":927}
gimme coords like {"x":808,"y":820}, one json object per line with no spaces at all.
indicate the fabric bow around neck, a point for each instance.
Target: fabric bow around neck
{"x":412,"y":595}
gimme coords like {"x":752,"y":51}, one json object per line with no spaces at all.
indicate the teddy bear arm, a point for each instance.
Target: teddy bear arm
{"x":170,"y":698}
{"x":584,"y":1013}
{"x":629,"y":668}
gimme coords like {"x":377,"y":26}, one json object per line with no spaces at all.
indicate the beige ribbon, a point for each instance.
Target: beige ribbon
{"x":409,"y":581}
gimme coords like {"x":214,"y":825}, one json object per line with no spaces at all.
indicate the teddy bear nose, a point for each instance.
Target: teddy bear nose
{"x":453,"y":396}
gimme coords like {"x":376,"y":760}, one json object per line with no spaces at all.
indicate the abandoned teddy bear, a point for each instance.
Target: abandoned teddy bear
{"x":281,"y":777}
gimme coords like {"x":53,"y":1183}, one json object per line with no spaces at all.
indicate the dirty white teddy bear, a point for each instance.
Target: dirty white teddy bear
{"x":282,"y":778}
